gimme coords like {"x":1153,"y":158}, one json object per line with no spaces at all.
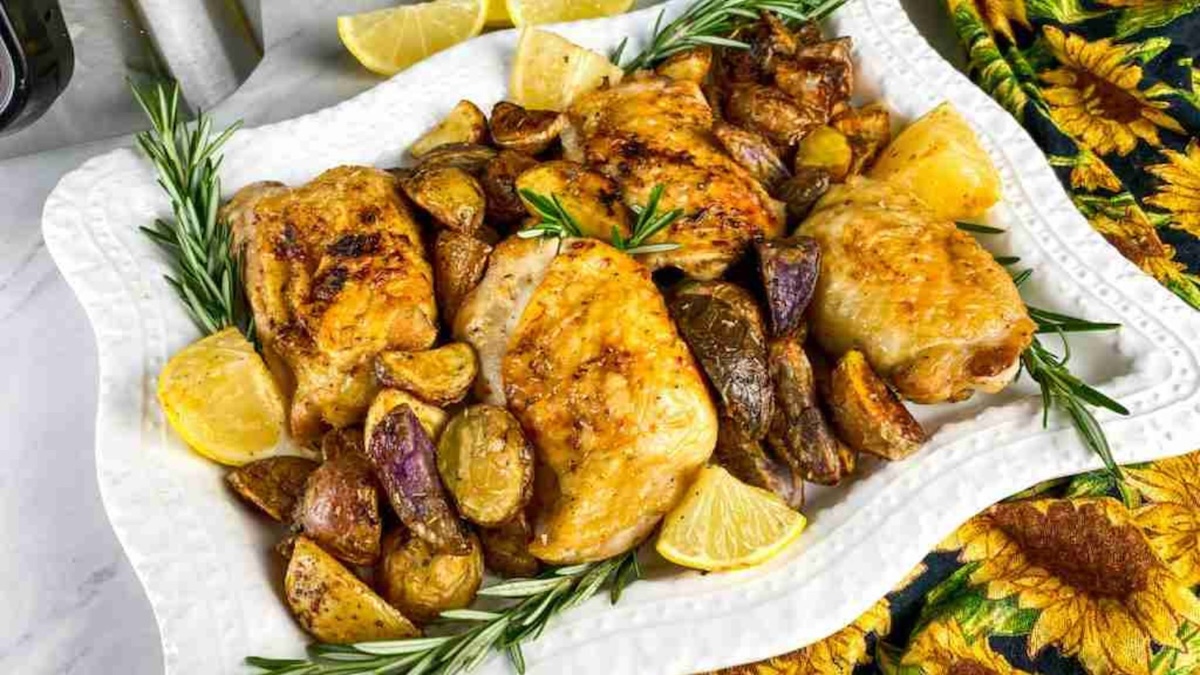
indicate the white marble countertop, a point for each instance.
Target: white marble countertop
{"x":75,"y":605}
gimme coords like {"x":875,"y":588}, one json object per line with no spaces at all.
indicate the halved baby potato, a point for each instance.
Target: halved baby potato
{"x":339,"y":509}
{"x":452,"y":196}
{"x":466,"y":123}
{"x":432,"y":418}
{"x":459,"y":261}
{"x":593,"y":199}
{"x":333,"y":605}
{"x":868,"y":416}
{"x":506,"y":548}
{"x":439,"y":376}
{"x":273,"y":484}
{"x":828,"y":149}
{"x":486,"y":464}
{"x":421,"y":582}
{"x":529,"y":131}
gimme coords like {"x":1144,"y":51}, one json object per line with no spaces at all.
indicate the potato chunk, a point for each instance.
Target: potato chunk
{"x":432,"y":418}
{"x":506,"y":548}
{"x":273,"y":484}
{"x":504,"y":205}
{"x":339,"y":509}
{"x":940,"y":160}
{"x":828,"y":149}
{"x":438,"y":376}
{"x":529,"y":131}
{"x":466,"y":123}
{"x":868,"y":416}
{"x":486,"y":464}
{"x":334,"y":605}
{"x":422,"y":583}
{"x":452,"y":196}
{"x":799,"y":432}
{"x":459,"y":261}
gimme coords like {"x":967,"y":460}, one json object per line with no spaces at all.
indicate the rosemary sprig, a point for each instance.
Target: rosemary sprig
{"x":714,"y":22}
{"x":649,"y":223}
{"x":976,"y":228}
{"x":531,"y":604}
{"x":206,"y":271}
{"x":557,"y":222}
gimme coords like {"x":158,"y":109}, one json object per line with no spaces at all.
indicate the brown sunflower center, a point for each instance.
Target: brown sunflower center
{"x":1110,"y":101}
{"x":1079,"y":545}
{"x":970,"y":667}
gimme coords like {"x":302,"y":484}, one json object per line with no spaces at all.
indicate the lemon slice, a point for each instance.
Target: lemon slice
{"x":551,"y":71}
{"x":497,"y":13}
{"x":221,"y":399}
{"x":724,"y":524}
{"x":534,"y":12}
{"x":387,"y":41}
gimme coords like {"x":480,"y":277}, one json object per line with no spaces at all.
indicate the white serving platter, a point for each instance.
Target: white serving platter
{"x":206,"y":561}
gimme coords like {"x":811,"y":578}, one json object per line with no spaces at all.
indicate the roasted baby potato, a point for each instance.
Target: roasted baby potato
{"x":506,"y":548}
{"x":486,"y":464}
{"x":439,"y":376}
{"x":789,"y":269}
{"x":771,"y":42}
{"x":466,"y":123}
{"x":333,"y":605}
{"x":723,"y":325}
{"x":469,"y":157}
{"x":940,"y":160}
{"x":452,"y":196}
{"x":691,"y":65}
{"x":403,"y":457}
{"x":799,"y":432}
{"x":868,"y":130}
{"x":820,"y":77}
{"x":504,"y":205}
{"x":273,"y":484}
{"x":422,"y":583}
{"x":529,"y":131}
{"x":802,"y":191}
{"x":592,"y":198}
{"x":827,"y":149}
{"x":808,"y":34}
{"x":459,"y":261}
{"x":771,"y":112}
{"x":754,"y":152}
{"x":339,"y":509}
{"x":868,"y":416}
{"x":432,"y":418}
{"x":749,"y":462}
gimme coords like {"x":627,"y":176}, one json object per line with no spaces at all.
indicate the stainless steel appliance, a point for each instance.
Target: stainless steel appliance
{"x":36,"y":60}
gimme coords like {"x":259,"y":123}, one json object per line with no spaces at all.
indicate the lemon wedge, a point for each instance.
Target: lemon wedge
{"x":534,"y":12}
{"x":387,"y":41}
{"x":724,"y":524}
{"x":550,"y":71}
{"x":220,"y":398}
{"x":497,"y":13}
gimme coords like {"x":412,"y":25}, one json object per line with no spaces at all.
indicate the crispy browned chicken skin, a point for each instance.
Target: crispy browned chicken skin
{"x":932,"y":311}
{"x":652,"y":131}
{"x":336,"y":273}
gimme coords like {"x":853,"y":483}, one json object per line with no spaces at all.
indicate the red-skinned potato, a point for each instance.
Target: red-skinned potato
{"x":339,"y":509}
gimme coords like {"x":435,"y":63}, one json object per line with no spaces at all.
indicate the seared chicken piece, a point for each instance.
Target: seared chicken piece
{"x":932,"y":311}
{"x":603,"y":386}
{"x":652,"y":131}
{"x":336,"y":273}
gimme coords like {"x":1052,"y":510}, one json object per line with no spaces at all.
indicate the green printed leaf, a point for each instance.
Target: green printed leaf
{"x":1186,"y":661}
{"x":1062,"y":11}
{"x":1137,"y":19}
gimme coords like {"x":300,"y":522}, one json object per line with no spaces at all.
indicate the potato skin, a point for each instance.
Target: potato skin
{"x":459,"y":261}
{"x":403,"y":457}
{"x":868,"y":416}
{"x":529,"y":131}
{"x":273,"y":485}
{"x":799,"y":432}
{"x":466,"y":123}
{"x":506,"y":548}
{"x":334,"y":605}
{"x":802,"y":191}
{"x":487,"y":464}
{"x":437,"y":376}
{"x":940,"y":160}
{"x":867,"y":129}
{"x":432,"y":418}
{"x":469,"y":157}
{"x":504,"y":205}
{"x":422,"y":583}
{"x":451,"y":195}
{"x":339,"y":509}
{"x":723,"y":325}
{"x":749,"y":462}
{"x":770,"y":112}
{"x":754,"y":152}
{"x":789,"y":269}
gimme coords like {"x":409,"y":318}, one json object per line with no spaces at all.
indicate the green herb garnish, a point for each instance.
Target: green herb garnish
{"x":557,"y":222}
{"x":976,"y":228}
{"x":206,"y":274}
{"x":713,"y":23}
{"x":475,"y":633}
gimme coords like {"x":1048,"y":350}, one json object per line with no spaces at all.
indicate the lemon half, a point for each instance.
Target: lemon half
{"x":534,"y":12}
{"x":387,"y":41}
{"x":724,"y":524}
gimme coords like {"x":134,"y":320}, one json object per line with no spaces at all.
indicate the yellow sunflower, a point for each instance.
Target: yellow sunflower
{"x":837,"y":654}
{"x":1171,"y":519}
{"x":998,"y":14}
{"x":1180,"y":192}
{"x":1135,"y":237}
{"x":1091,"y":173}
{"x":1102,"y":593}
{"x":1094,"y":95}
{"x":942,"y":648}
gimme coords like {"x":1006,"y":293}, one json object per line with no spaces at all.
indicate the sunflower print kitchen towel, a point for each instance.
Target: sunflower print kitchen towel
{"x":1083,"y":575}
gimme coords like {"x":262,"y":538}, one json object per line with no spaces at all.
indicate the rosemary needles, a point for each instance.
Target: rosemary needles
{"x":557,"y":222}
{"x":206,"y":272}
{"x":530,"y":604}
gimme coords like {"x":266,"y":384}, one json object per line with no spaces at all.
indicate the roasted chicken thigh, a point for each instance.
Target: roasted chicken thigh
{"x":932,"y":311}
{"x":336,"y":273}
